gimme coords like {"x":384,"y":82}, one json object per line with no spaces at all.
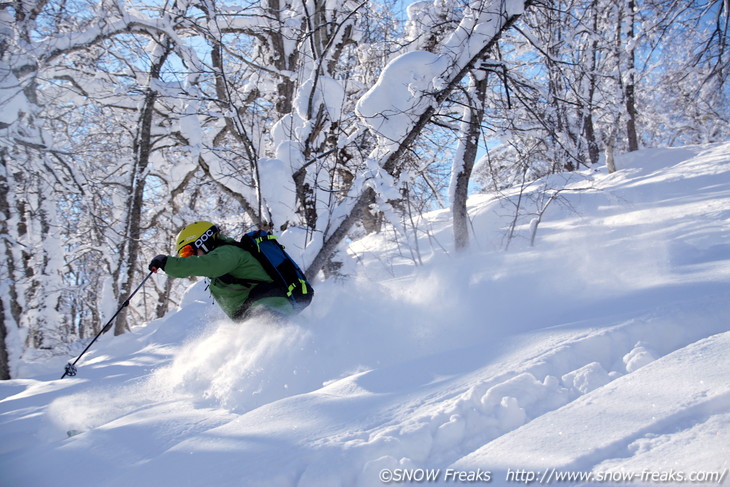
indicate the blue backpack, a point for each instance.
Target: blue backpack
{"x":289,"y":280}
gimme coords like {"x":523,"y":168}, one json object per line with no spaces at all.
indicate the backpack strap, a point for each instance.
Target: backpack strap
{"x":261,"y":236}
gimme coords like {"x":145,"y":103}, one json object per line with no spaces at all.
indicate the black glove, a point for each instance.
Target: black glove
{"x":158,"y":263}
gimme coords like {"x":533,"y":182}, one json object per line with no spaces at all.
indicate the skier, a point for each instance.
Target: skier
{"x":238,"y":282}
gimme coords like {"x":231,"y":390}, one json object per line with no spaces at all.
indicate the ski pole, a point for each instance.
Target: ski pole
{"x":70,"y":369}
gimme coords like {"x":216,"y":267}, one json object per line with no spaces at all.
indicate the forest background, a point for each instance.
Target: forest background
{"x":123,"y":120}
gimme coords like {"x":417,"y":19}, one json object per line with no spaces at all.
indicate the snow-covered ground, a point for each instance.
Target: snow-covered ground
{"x":602,"y":352}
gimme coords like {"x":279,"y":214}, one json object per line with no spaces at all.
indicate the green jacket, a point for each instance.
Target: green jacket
{"x":232,"y":260}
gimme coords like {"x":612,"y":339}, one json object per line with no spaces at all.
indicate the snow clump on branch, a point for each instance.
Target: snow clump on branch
{"x":391,"y":107}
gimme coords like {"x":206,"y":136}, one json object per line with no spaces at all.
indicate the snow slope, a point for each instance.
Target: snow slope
{"x":601,"y":352}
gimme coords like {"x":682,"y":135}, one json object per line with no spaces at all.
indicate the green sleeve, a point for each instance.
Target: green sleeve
{"x":216,"y":263}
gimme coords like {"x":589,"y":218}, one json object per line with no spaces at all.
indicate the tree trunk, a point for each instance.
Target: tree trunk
{"x":461,"y":172}
{"x":8,"y":297}
{"x":610,"y":161}
{"x":4,"y":358}
{"x":142,"y":149}
{"x":630,"y":89}
{"x":13,"y":272}
{"x":589,"y":130}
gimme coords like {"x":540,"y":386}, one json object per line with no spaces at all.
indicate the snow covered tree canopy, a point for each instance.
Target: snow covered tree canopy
{"x":315,"y":119}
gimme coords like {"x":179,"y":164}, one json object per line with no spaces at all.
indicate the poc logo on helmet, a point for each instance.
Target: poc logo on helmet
{"x":208,"y":235}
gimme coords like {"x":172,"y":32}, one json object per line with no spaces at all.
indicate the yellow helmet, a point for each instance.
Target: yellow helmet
{"x":199,"y":235}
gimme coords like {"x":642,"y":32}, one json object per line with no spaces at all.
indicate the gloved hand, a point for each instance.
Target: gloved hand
{"x":158,"y":263}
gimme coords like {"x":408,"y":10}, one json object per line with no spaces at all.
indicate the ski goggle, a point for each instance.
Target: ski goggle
{"x":187,"y":251}
{"x":208,"y":237}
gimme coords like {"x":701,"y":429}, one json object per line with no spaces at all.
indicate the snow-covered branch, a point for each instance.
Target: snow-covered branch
{"x":407,"y":95}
